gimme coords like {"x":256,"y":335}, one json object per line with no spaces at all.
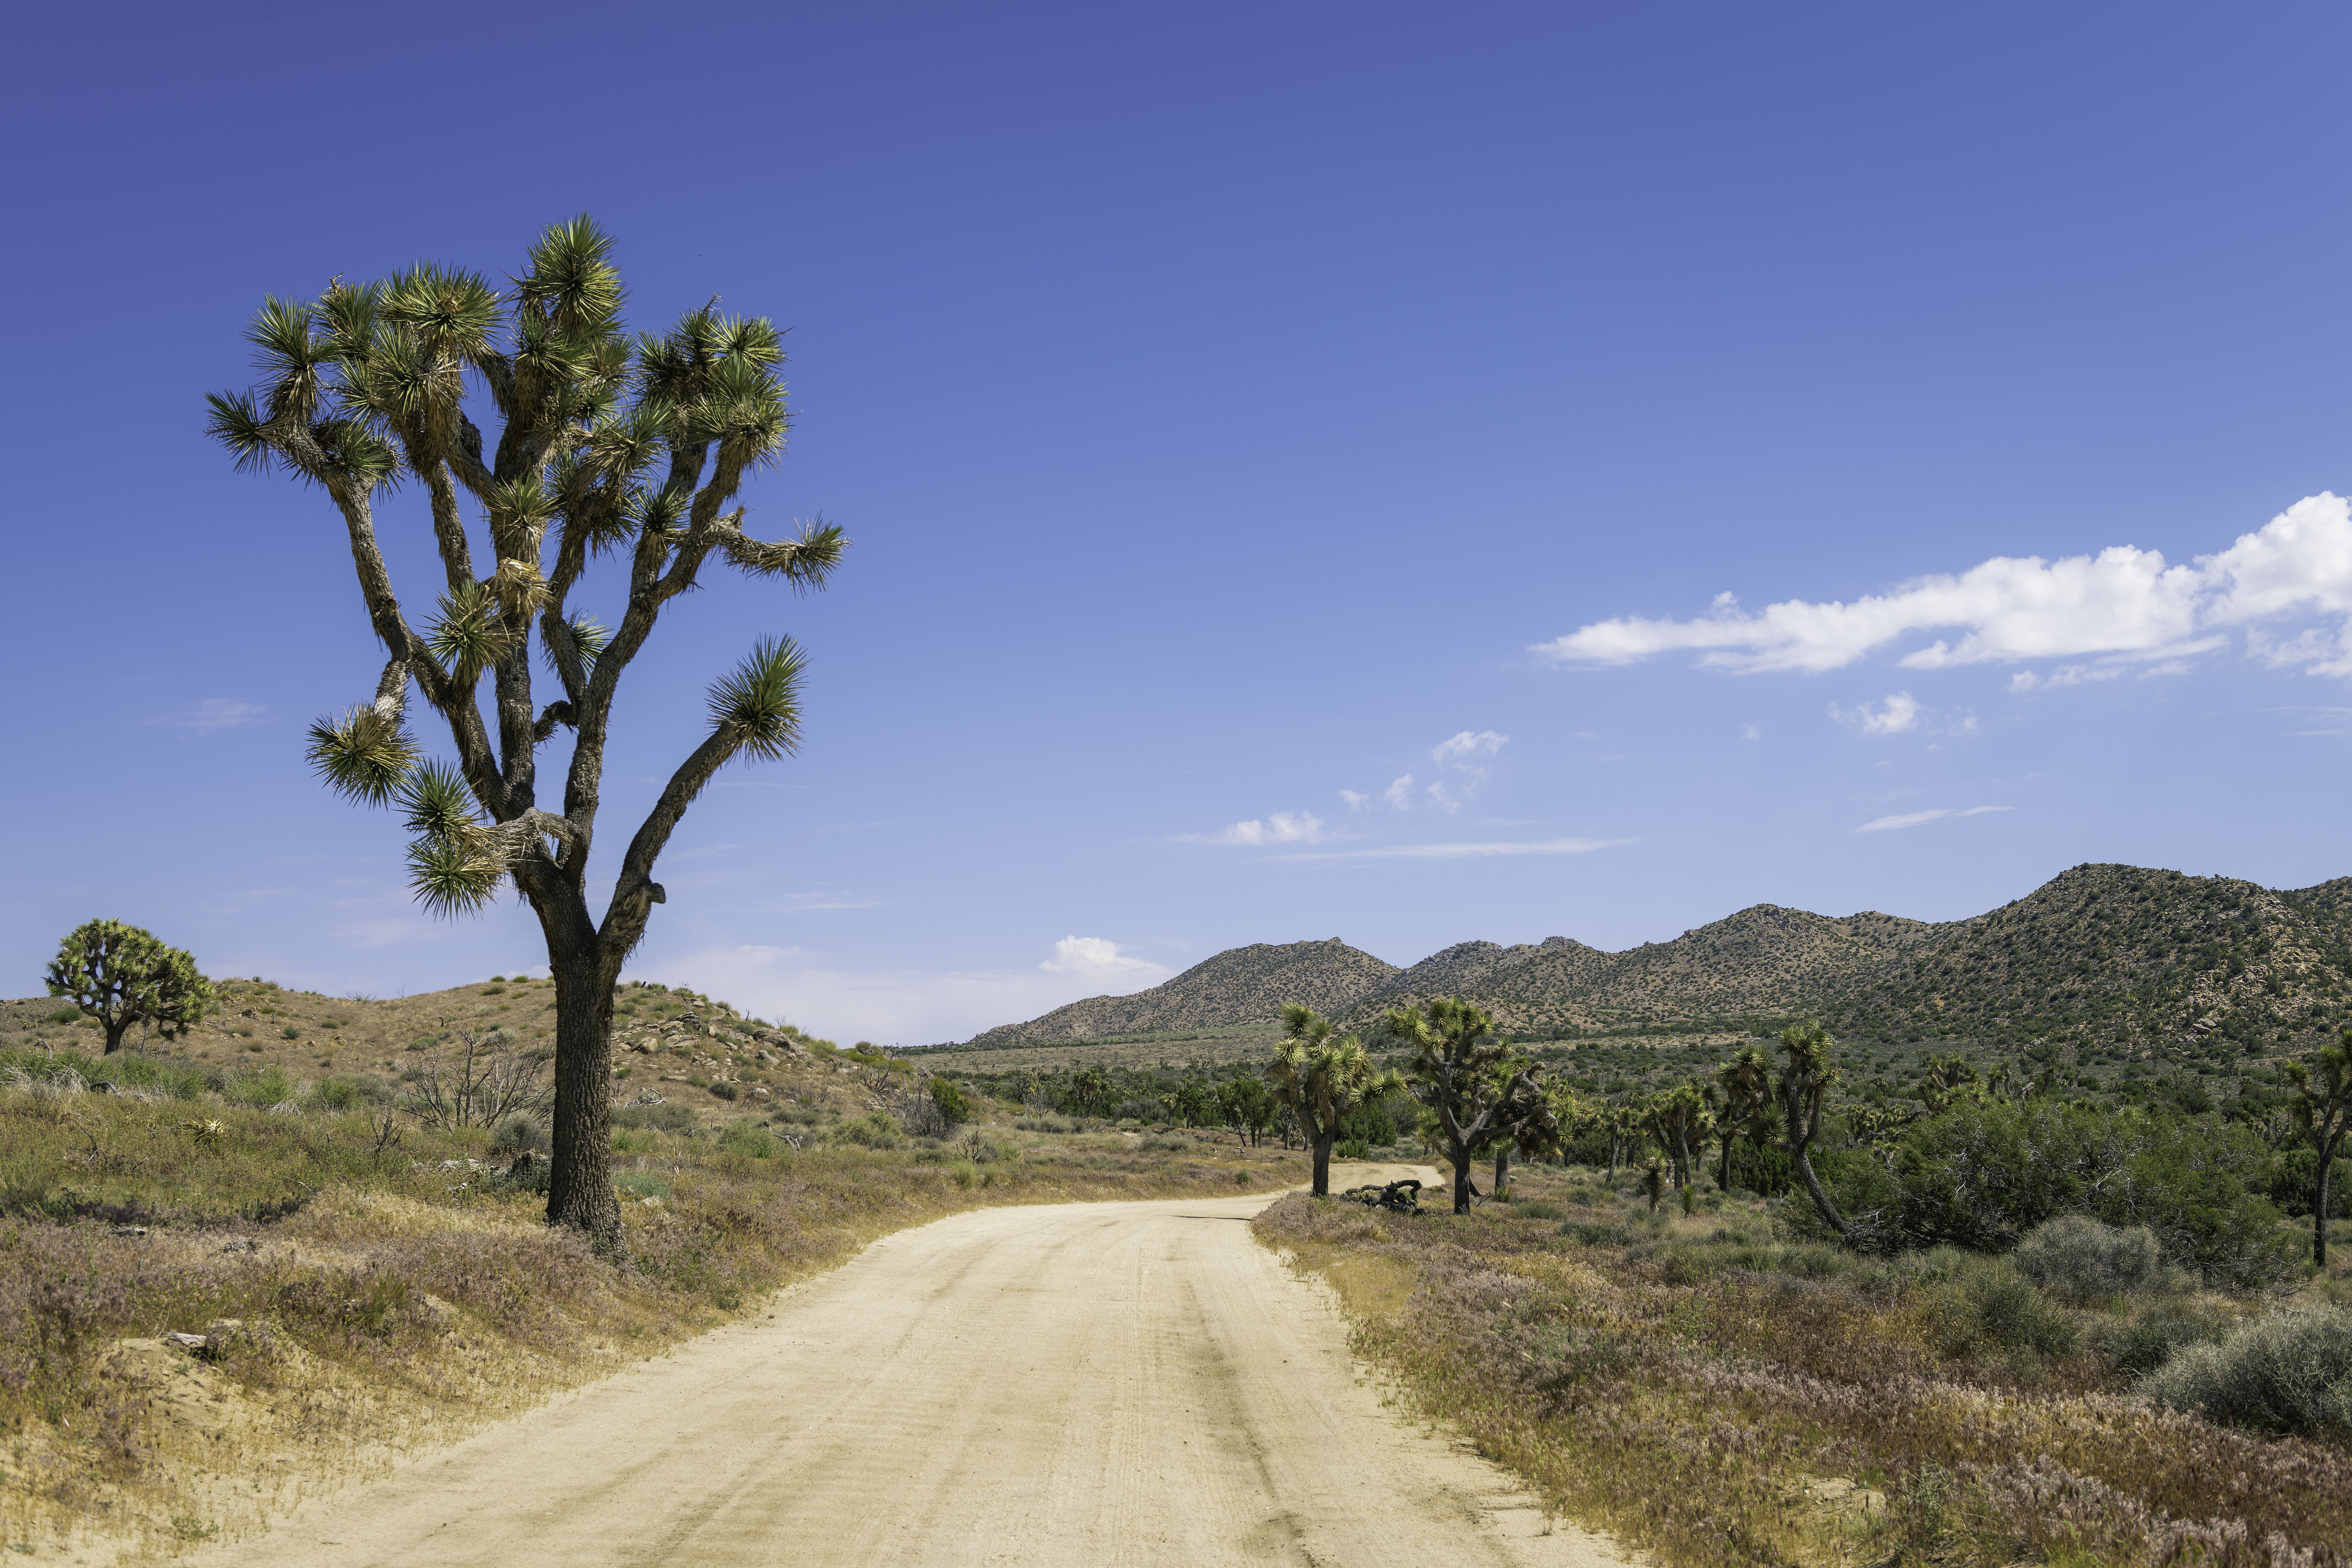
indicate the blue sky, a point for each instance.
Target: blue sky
{"x":1294,"y":456}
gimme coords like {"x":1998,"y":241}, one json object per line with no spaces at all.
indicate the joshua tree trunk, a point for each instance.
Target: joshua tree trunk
{"x":1502,"y":1168}
{"x":579,"y":1190}
{"x":1822,"y":1205}
{"x":1462,"y":1187}
{"x":1323,"y":1141}
{"x":2319,"y":1208}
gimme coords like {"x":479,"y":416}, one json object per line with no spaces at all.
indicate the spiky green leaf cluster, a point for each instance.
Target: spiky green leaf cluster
{"x":756,"y":708}
{"x":470,"y":632}
{"x":457,"y":861}
{"x":362,"y":756}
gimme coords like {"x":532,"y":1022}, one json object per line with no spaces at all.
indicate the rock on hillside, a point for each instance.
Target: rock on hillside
{"x":1239,"y":985}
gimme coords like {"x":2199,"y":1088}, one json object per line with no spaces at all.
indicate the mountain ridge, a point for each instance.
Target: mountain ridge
{"x":2122,"y":956}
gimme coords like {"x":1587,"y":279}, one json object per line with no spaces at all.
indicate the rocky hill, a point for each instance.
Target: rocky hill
{"x":2118,"y":957}
{"x":1239,"y":985}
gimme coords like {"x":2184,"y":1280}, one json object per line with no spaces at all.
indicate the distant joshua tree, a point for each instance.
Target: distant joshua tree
{"x":1454,"y":1072}
{"x":1322,"y":1075}
{"x":122,"y":976}
{"x":606,"y":446}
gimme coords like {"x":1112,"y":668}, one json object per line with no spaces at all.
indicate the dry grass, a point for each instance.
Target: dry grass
{"x":1708,"y":1401}
{"x":399,"y":1297}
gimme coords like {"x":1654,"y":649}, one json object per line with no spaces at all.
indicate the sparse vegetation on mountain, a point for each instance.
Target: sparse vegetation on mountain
{"x":123,"y":977}
{"x":607,"y":447}
{"x":1241,"y":985}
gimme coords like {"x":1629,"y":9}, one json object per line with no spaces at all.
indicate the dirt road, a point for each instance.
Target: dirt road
{"x":1080,"y":1385}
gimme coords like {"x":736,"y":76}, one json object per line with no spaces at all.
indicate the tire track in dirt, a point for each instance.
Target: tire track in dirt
{"x":1074,"y":1385}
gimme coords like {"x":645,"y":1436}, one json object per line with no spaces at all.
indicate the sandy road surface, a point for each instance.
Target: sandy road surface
{"x":1080,"y":1384}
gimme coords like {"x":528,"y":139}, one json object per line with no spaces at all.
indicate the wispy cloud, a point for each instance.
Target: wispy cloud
{"x":1399,"y":793}
{"x":212,"y":713}
{"x":2124,"y":604}
{"x":1097,"y":958}
{"x":1897,"y":714}
{"x":1279,"y":827}
{"x":1467,"y":851}
{"x":1356,"y":800}
{"x":1464,"y":746}
{"x":1913,"y":818}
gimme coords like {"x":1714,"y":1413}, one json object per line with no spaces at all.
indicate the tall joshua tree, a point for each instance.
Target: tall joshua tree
{"x":2325,"y":1113}
{"x":1454,"y":1072}
{"x":1322,"y":1075}
{"x":606,"y":446}
{"x":1801,"y":1095}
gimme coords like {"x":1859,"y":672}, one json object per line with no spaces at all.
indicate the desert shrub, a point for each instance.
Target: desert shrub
{"x":260,"y":1089}
{"x":666,"y":1118}
{"x":2137,"y":1345}
{"x":874,"y":1130}
{"x":1047,"y":1124}
{"x":1590,"y":1233}
{"x":643,"y":1183}
{"x":1984,"y":1303}
{"x":724,"y":1089}
{"x":1350,"y":1148}
{"x":1985,"y":1173}
{"x":517,"y":1134}
{"x":955,"y":1106}
{"x":2077,"y":1258}
{"x":1532,"y":1209}
{"x":747,"y":1140}
{"x":2290,"y":1372}
{"x":2294,"y":1173}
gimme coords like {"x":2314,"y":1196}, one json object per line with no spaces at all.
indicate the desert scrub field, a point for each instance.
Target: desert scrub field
{"x":365,"y":1285}
{"x":1715,"y":1396}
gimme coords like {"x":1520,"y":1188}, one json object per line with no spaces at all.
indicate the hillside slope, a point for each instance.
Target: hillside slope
{"x":1239,"y":985}
{"x":2119,"y":957}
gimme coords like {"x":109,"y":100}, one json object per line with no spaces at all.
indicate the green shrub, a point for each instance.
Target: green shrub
{"x":517,"y":1134}
{"x":2138,"y":1345}
{"x":1535,"y":1209}
{"x":875,"y":1130}
{"x":261,"y":1089}
{"x":1351,"y":1149}
{"x":1985,"y":1303}
{"x":2077,"y":1258}
{"x":954,"y":1105}
{"x":644,"y":1184}
{"x":289,"y":1033}
{"x":1588,"y":1233}
{"x":724,"y":1090}
{"x":2290,"y":1372}
{"x":746,"y":1139}
{"x":666,"y":1118}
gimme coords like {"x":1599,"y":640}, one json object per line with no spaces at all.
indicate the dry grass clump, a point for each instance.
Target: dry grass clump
{"x":1691,"y":1390}
{"x":390,"y":1287}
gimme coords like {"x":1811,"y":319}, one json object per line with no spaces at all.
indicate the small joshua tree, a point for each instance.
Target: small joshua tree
{"x":121,"y":976}
{"x":1321,"y":1076}
{"x":605,"y":447}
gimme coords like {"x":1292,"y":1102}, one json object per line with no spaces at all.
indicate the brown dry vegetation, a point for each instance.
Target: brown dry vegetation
{"x":1717,"y":1399}
{"x":396,"y":1296}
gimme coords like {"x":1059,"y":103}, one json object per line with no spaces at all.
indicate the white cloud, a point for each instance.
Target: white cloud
{"x":1466,"y":745}
{"x":1751,"y":732}
{"x":1442,"y":800}
{"x":1096,"y":957}
{"x":1279,"y":827}
{"x":1897,"y":714}
{"x":897,"y":1006}
{"x":1913,"y":818}
{"x":2125,"y":604}
{"x":1356,"y":800}
{"x":212,"y":713}
{"x":1399,"y":794}
{"x":1468,"y":851}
